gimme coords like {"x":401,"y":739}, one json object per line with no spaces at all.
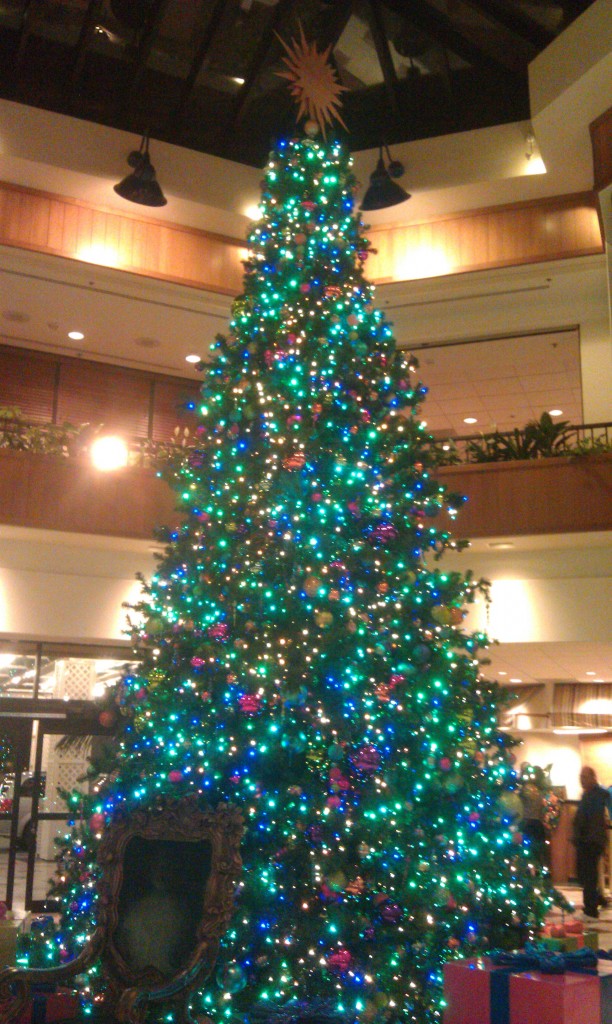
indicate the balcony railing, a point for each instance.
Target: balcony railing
{"x":535,"y":440}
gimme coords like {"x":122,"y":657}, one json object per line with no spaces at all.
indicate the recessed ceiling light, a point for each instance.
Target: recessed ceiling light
{"x":76,"y":335}
{"x":470,"y":419}
{"x":500,"y":673}
{"x":556,"y":412}
{"x":193,"y":359}
{"x":253,"y":212}
{"x":590,"y":673}
{"x":501,"y":545}
{"x":514,"y":680}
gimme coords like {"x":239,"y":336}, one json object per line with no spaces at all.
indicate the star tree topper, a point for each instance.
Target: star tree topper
{"x":314,"y":85}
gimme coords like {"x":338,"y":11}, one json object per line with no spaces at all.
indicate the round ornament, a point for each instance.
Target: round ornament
{"x":231,"y":978}
{"x":97,"y":822}
{"x":311,"y":585}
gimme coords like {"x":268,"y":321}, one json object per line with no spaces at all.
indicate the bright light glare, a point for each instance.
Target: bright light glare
{"x":192,"y":358}
{"x":252,"y":212}
{"x":108,"y":453}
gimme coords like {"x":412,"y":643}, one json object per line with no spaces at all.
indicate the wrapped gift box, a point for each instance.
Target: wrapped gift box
{"x":561,"y":988}
{"x":50,"y":1007}
{"x":568,"y":942}
{"x":604,"y":972}
{"x":8,"y":942}
{"x":554,"y":998}
{"x":476,"y":991}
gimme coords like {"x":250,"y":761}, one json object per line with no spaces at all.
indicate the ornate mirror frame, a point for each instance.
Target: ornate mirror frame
{"x":130,"y":992}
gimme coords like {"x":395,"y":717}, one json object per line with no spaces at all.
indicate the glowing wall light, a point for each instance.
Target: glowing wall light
{"x":108,"y":453}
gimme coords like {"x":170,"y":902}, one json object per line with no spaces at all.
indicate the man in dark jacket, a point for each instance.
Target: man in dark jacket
{"x":590,"y":836}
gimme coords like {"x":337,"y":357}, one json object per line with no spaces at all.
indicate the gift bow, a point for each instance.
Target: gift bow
{"x":537,"y":958}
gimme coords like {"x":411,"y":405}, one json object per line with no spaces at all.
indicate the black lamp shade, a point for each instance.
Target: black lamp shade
{"x":141,"y":185}
{"x":382,"y":191}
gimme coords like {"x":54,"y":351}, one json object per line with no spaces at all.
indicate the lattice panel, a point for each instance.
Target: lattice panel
{"x":75,"y":678}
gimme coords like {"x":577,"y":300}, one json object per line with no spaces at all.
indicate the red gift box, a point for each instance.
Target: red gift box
{"x":470,"y":990}
{"x":50,"y":1008}
{"x":554,"y":998}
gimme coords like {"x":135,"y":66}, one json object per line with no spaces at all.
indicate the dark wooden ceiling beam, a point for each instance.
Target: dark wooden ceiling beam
{"x":514,"y":21}
{"x":92,"y":15}
{"x":146,"y":42}
{"x":198,"y":63}
{"x":267,"y":40}
{"x":383,"y":53}
{"x":441,"y":30}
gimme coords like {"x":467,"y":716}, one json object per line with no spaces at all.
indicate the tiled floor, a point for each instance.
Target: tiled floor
{"x":603,"y":925}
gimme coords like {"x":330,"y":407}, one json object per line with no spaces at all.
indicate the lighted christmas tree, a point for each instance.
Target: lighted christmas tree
{"x":302,"y":651}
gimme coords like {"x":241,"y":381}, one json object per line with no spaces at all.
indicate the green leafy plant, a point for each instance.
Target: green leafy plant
{"x":19,"y":434}
{"x":541,"y":438}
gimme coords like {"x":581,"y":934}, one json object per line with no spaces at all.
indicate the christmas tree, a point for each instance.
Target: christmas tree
{"x":302,"y":652}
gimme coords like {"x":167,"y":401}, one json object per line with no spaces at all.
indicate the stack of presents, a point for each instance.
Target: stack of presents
{"x":559,"y":979}
{"x":48,"y":1004}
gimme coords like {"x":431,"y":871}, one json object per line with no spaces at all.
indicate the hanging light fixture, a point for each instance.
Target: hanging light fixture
{"x":141,"y":185}
{"x":383,"y":191}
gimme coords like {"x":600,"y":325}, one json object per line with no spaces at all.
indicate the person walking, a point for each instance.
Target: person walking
{"x":589,"y":837}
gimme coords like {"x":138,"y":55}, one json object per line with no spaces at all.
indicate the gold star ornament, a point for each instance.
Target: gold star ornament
{"x":314,"y":85}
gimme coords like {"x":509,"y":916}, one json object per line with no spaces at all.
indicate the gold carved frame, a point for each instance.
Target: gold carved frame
{"x":129,"y":992}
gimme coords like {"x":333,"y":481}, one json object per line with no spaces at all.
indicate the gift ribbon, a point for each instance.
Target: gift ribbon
{"x":537,"y":958}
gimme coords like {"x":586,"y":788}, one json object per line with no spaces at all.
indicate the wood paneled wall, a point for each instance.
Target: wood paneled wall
{"x":555,"y":495}
{"x":601,"y":143}
{"x":485,"y":239}
{"x":557,"y":228}
{"x":48,"y":223}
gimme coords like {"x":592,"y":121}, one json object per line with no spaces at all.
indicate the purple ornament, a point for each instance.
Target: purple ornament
{"x":366,"y":760}
{"x":382,"y":533}
{"x":391,"y":913}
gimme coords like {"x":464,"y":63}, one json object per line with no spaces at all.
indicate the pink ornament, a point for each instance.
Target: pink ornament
{"x":175,"y":776}
{"x":249,"y":703}
{"x":197,"y":662}
{"x":203,"y":517}
{"x":396,"y":679}
{"x":220,"y":631}
{"x":97,"y":822}
{"x":333,"y":802}
{"x":445,"y":764}
{"x":473,"y":816}
{"x":340,"y":961}
{"x":305,"y":288}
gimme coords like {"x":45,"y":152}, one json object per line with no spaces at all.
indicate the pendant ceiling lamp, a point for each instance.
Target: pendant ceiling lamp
{"x":141,"y":185}
{"x":383,"y":191}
